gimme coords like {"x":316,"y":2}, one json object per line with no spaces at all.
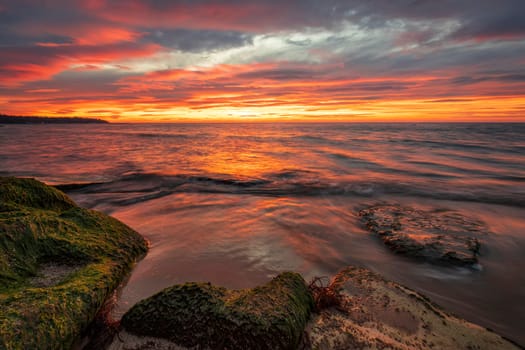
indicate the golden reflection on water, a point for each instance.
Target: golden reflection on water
{"x":241,"y":164}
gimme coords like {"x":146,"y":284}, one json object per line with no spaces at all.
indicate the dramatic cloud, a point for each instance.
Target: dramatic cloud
{"x":197,"y":40}
{"x":202,"y":59}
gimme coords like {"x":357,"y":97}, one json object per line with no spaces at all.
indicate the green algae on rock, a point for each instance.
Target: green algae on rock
{"x":272,"y":316}
{"x":58,"y":264}
{"x":374,"y":313}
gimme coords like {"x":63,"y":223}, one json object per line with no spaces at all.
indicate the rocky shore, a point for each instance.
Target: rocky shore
{"x":357,"y":310}
{"x":59,"y":263}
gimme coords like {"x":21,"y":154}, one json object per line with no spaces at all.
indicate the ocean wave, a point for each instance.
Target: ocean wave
{"x":160,"y":135}
{"x":142,"y":187}
{"x":479,"y":148}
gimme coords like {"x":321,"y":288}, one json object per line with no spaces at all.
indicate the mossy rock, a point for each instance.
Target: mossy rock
{"x":272,"y":316}
{"x":42,"y":231}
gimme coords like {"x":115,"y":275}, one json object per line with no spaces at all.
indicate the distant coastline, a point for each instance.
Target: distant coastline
{"x":12,"y":119}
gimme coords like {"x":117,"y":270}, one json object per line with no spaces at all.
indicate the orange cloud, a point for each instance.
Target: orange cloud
{"x":278,"y":91}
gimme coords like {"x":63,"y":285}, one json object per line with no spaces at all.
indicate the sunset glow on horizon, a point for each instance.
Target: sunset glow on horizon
{"x":228,"y":60}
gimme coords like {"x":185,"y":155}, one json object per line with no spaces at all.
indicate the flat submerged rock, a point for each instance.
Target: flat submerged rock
{"x":440,"y":236}
{"x":378,"y":314}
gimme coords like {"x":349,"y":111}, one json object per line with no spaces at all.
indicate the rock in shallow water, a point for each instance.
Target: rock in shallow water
{"x":438,"y":236}
{"x":374,"y":313}
{"x":272,"y":316}
{"x":58,"y":263}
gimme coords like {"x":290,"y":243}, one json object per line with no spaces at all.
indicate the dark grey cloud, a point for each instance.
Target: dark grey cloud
{"x":14,"y":18}
{"x":476,"y":78}
{"x":43,"y":55}
{"x":305,"y":42}
{"x":478,"y":19}
{"x":197,"y":40}
{"x":282,"y":74}
{"x":499,"y":19}
{"x":82,"y":81}
{"x":466,"y":58}
{"x":56,"y":11}
{"x":26,"y":22}
{"x":9,"y":39}
{"x":369,"y":87}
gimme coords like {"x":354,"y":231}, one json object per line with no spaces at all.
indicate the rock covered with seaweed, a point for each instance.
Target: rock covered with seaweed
{"x":271,"y":316}
{"x":58,"y":264}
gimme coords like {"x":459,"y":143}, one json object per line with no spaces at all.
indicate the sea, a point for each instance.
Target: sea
{"x":235,"y":204}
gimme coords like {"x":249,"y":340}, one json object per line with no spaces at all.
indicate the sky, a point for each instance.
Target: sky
{"x":273,"y":60}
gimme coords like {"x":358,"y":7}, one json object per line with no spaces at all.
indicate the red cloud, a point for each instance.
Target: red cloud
{"x":105,"y":35}
{"x":247,"y":16}
{"x":82,"y":33}
{"x":19,"y":64}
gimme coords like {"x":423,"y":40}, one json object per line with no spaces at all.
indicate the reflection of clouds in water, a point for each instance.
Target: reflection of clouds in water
{"x":263,"y":235}
{"x":264,"y":253}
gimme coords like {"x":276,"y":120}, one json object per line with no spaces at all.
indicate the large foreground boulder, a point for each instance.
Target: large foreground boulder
{"x":272,"y":316}
{"x":373,"y":313}
{"x":58,"y":264}
{"x":440,"y":236}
